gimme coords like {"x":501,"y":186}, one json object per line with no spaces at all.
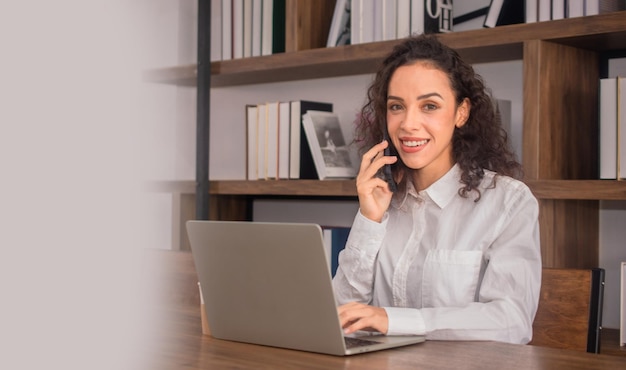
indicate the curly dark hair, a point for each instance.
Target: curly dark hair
{"x":478,"y":145}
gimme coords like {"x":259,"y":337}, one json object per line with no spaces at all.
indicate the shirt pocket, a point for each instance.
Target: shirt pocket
{"x":450,"y":278}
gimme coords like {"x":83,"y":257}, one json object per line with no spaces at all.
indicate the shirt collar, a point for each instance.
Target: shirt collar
{"x":441,"y":192}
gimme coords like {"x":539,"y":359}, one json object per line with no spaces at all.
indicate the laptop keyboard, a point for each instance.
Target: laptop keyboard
{"x":357,"y":342}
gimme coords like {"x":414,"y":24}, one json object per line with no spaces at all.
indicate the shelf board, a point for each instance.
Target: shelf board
{"x":542,"y":189}
{"x":578,"y":189}
{"x":604,"y":32}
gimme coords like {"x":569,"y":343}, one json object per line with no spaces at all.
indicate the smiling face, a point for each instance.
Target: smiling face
{"x":421,"y":116}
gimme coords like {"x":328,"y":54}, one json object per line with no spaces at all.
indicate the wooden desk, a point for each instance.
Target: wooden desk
{"x":180,"y":345}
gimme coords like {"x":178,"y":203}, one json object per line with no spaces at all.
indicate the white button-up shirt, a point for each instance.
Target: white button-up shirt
{"x":448,"y":267}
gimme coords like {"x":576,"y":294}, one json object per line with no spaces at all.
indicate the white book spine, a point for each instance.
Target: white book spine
{"x":284,"y":126}
{"x":272,"y":140}
{"x":252,"y":142}
{"x":389,"y":19}
{"x":367,"y":21}
{"x":257,"y":27}
{"x":216,"y":30}
{"x":558,"y":9}
{"x":531,"y":11}
{"x":417,"y":17}
{"x":294,"y":145}
{"x":608,"y":128}
{"x":575,"y":8}
{"x":238,"y":29}
{"x":592,"y":7}
{"x":267,"y":27}
{"x":545,"y":10}
{"x":622,"y":331}
{"x":227,"y":32}
{"x":621,"y":127}
{"x":491,"y":20}
{"x":403,"y":18}
{"x":262,"y":144}
{"x":247,"y":28}
{"x":356,"y":19}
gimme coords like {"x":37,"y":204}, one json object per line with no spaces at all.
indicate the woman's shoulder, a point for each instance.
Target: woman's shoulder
{"x":504,"y":184}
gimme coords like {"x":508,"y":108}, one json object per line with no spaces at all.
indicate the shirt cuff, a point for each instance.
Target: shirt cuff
{"x":405,"y":321}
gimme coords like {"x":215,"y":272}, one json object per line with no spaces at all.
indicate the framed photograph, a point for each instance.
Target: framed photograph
{"x":330,"y":151}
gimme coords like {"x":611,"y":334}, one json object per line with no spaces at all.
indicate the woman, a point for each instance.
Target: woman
{"x":454,"y":253}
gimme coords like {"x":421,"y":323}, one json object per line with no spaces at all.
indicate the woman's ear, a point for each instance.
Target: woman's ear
{"x":462,"y":113}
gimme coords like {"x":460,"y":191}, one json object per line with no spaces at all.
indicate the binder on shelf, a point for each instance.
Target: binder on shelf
{"x":278,"y":26}
{"x":301,"y":165}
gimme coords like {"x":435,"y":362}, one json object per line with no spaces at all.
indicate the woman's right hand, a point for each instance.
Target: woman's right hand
{"x":374,"y":193}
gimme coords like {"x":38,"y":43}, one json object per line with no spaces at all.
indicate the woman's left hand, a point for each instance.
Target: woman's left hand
{"x":358,"y":316}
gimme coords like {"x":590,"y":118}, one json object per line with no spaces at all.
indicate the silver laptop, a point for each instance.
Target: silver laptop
{"x":270,"y":284}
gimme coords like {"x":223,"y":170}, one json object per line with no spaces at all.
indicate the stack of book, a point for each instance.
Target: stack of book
{"x":247,"y":28}
{"x":297,"y":139}
{"x":546,"y":10}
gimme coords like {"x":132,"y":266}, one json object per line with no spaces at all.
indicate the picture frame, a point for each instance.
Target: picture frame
{"x":329,"y":148}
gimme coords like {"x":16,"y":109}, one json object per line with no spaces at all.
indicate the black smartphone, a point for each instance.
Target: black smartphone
{"x":386,"y":174}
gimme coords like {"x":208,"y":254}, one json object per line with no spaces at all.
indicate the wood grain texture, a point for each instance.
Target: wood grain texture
{"x":307,"y":23}
{"x":562,"y":318}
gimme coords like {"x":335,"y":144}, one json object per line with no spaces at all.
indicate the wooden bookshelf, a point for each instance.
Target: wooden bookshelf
{"x":561,"y":69}
{"x":599,"y":33}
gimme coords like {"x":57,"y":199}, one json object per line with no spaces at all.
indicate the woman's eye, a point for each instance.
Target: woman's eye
{"x":429,"y":107}
{"x":394,"y":107}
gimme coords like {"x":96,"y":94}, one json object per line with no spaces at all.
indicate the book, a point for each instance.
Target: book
{"x":257,"y":27}
{"x":558,"y":9}
{"x":575,"y":8}
{"x":504,"y":12}
{"x":355,"y":22}
{"x":227,"y":32}
{"x":544,"y":10}
{"x":594,"y":7}
{"x":532,"y":11}
{"x":267,"y":27}
{"x":622,"y":320}
{"x":469,"y":14}
{"x":271,"y":151}
{"x":621,"y":127}
{"x":429,"y":18}
{"x":238,"y":29}
{"x":339,"y":33}
{"x":608,"y":128}
{"x":278,"y":26}
{"x":247,"y":28}
{"x":252,"y":142}
{"x":389,"y":15}
{"x":403,"y":18}
{"x":330,"y":151}
{"x":301,"y":165}
{"x":283,"y":139}
{"x":216,"y":30}
{"x":262,"y":141}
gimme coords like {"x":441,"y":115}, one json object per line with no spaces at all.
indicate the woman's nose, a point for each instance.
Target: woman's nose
{"x":412,"y":120}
